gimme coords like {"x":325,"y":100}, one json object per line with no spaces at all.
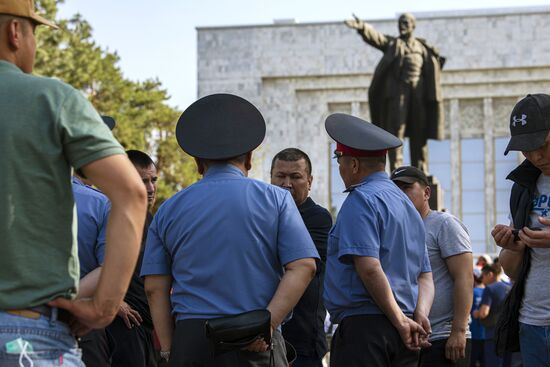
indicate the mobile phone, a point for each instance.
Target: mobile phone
{"x":515,"y":232}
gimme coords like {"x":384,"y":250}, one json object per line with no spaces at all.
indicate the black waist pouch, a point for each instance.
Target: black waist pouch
{"x":236,"y":332}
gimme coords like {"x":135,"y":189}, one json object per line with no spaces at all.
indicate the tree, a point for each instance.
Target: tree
{"x":144,"y":119}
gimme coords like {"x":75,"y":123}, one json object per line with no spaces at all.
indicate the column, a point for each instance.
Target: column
{"x":356,"y":109}
{"x":489,"y":160}
{"x":456,"y":177}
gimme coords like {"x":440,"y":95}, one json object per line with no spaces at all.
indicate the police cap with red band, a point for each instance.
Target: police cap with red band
{"x":358,"y":138}
{"x":220,"y":126}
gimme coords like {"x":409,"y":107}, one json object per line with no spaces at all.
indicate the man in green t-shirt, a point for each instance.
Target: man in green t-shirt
{"x":47,"y":129}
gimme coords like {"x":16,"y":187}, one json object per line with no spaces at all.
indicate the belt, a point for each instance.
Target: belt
{"x":35,"y":313}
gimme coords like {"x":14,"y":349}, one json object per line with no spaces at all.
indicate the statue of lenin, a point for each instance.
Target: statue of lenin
{"x":405,"y":94}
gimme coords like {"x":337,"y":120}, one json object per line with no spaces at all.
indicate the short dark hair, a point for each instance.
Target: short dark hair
{"x":240,"y":159}
{"x":5,"y":18}
{"x":292,"y":155}
{"x":140,"y":159}
{"x":373,"y":162}
{"x":490,"y":269}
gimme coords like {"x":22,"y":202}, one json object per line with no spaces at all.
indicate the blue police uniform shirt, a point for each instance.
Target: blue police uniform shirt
{"x":224,"y":240}
{"x":92,"y":209}
{"x":376,"y":220}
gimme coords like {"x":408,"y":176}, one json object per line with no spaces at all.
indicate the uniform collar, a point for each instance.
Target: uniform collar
{"x":224,"y":169}
{"x":6,"y":66}
{"x":76,"y":181}
{"x":375,"y":176}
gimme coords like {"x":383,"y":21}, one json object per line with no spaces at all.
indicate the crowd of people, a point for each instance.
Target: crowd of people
{"x":233,"y":271}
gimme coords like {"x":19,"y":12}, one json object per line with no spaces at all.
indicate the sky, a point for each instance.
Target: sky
{"x":157,"y":39}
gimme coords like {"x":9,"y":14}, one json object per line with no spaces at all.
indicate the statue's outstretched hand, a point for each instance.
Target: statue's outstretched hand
{"x":354,"y":23}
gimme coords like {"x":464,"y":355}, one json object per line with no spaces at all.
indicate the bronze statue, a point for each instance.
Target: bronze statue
{"x":405,"y":94}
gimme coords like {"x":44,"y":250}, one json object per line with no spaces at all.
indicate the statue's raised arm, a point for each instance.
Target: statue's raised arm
{"x":368,"y":33}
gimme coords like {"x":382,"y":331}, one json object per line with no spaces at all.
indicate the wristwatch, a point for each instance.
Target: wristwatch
{"x":165,"y":355}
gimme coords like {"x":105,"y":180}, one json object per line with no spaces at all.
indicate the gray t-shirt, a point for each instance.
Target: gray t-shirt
{"x":535,"y":309}
{"x":446,"y":236}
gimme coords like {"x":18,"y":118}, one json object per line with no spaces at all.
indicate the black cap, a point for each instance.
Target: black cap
{"x":529,"y":123}
{"x":109,"y":121}
{"x":220,"y":126}
{"x":409,"y":174}
{"x":359,"y":134}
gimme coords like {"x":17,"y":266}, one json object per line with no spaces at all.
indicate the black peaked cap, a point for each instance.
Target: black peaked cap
{"x":109,"y":121}
{"x":359,"y":134}
{"x":220,"y":126}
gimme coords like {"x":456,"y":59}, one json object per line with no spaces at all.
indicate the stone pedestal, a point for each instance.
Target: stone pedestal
{"x":436,"y":198}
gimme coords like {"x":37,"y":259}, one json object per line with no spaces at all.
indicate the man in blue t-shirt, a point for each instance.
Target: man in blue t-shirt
{"x":477,"y":330}
{"x":492,"y":302}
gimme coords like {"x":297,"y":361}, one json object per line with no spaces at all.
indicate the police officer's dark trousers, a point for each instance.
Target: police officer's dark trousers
{"x":132,"y":347}
{"x":434,"y":356}
{"x":191,"y":348}
{"x":96,"y":348}
{"x":369,"y":340}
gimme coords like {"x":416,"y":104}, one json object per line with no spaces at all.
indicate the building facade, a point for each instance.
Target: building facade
{"x":298,"y":74}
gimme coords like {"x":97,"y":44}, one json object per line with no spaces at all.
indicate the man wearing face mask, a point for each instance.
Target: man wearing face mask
{"x":291,"y":169}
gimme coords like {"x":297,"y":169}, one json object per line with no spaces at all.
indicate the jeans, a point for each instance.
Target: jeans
{"x":491,"y":359}
{"x":534,"y":345}
{"x":44,"y":342}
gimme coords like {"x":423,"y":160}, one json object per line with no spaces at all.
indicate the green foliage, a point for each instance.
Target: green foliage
{"x":144,"y":119}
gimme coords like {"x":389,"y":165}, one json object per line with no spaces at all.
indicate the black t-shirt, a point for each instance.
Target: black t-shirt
{"x":135,"y":296}
{"x":305,"y":331}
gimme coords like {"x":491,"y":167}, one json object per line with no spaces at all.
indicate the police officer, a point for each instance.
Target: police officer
{"x":226,"y":244}
{"x":127,"y":341}
{"x":92,"y":212}
{"x":92,"y":209}
{"x":378,"y":273}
